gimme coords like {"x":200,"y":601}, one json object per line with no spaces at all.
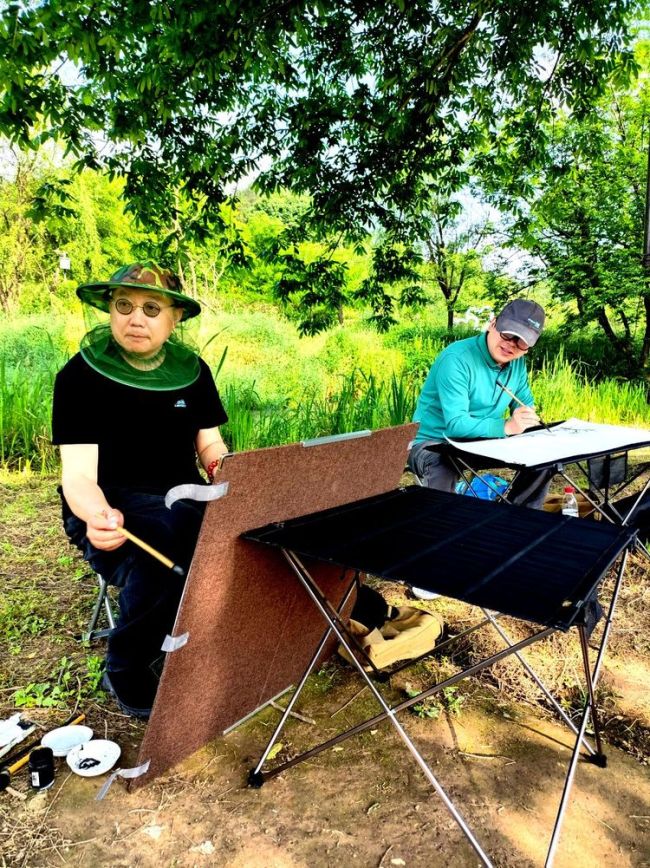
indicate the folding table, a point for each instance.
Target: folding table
{"x":599,"y":451}
{"x":534,"y":566}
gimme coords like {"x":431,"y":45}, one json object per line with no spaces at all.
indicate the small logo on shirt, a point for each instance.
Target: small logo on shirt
{"x":180,"y":403}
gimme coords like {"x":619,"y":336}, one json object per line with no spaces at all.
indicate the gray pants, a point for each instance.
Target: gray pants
{"x":436,"y":471}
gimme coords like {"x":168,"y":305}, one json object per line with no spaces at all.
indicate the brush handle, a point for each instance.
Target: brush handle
{"x":521,"y":403}
{"x":147,"y":548}
{"x":19,"y":760}
{"x":511,"y":394}
{"x":152,"y":551}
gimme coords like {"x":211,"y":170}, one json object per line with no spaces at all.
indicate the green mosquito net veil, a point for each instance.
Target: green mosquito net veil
{"x":175,"y":365}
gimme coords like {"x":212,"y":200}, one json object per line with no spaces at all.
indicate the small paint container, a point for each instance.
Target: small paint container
{"x":41,"y":768}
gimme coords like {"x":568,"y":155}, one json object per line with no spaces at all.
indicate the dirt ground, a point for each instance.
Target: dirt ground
{"x":498,"y":752}
{"x":364,"y":803}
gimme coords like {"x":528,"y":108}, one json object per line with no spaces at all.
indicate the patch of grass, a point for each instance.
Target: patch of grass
{"x":575,"y":698}
{"x":448,"y":700}
{"x":68,"y":685}
{"x":43,"y":605}
{"x":562,"y":389}
{"x":21,"y":507}
{"x":325,"y":679}
{"x":19,"y":616}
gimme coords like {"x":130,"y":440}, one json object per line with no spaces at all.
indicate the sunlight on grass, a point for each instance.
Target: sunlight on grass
{"x":279,"y":388}
{"x":561,"y":391}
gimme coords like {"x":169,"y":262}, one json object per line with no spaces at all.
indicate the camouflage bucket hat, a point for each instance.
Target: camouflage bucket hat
{"x":140,"y":275}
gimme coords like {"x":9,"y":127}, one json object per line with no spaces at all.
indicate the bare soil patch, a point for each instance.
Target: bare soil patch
{"x":495,"y":747}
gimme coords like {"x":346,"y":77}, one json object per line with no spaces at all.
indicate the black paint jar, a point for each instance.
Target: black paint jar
{"x":41,"y":768}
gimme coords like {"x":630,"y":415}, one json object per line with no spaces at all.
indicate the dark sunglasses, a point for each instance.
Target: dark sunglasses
{"x":520,"y":343}
{"x":149,"y":308}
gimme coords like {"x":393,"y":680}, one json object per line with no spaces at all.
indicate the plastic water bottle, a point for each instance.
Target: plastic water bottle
{"x":569,"y":503}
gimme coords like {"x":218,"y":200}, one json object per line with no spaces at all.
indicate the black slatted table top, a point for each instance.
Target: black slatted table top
{"x":526,"y":563}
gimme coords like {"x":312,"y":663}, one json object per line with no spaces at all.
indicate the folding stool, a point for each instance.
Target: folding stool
{"x":102,"y":601}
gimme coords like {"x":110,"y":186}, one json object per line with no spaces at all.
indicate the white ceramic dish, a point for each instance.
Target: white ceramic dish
{"x":94,"y":757}
{"x":64,"y":738}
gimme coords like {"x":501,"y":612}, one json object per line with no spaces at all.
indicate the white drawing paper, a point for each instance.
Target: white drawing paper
{"x":569,"y":440}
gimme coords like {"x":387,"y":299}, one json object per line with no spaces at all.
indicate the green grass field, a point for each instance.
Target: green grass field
{"x":279,"y":388}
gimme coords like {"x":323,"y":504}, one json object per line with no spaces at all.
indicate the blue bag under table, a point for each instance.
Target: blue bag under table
{"x":535,"y":566}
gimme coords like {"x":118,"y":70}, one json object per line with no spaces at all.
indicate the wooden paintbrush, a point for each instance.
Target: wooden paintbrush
{"x":521,"y":404}
{"x":149,"y":549}
{"x":21,"y":757}
{"x":152,"y":551}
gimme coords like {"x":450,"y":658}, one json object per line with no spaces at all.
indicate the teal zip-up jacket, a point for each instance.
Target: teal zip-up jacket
{"x":460,"y":398}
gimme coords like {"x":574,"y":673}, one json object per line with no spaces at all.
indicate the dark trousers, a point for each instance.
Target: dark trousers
{"x":149,"y":591}
{"x":436,"y":471}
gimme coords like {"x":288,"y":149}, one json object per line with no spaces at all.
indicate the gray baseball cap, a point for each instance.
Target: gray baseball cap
{"x":522,"y":318}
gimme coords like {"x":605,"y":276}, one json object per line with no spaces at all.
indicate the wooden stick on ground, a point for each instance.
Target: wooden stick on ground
{"x":292,"y":713}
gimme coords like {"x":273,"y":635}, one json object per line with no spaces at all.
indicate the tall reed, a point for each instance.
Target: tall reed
{"x":355,"y":401}
{"x":25,"y":403}
{"x":563,"y":391}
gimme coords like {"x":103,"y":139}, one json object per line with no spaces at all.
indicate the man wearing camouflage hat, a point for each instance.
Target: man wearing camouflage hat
{"x":131,"y":413}
{"x":468,"y":395}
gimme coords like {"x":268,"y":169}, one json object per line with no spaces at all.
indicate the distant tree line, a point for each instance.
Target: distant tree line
{"x":52,"y":216}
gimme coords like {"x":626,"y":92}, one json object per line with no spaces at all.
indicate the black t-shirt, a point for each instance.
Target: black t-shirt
{"x":145,"y":438}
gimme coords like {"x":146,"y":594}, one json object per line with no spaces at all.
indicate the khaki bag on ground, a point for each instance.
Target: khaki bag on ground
{"x":408,"y":634}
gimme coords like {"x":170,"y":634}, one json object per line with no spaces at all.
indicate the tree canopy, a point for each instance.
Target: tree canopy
{"x":584,"y":225}
{"x":370,"y":108}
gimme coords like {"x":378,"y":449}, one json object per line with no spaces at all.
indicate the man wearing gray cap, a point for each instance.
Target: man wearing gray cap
{"x":468,"y":393}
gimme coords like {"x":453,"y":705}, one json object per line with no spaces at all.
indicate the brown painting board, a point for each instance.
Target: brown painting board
{"x":252,"y":629}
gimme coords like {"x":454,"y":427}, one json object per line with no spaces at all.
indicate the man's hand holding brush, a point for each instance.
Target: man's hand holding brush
{"x":104,"y":529}
{"x":522,"y":418}
{"x":111,"y":533}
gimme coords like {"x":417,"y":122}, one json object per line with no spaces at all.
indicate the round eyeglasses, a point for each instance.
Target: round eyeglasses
{"x":149,"y":308}
{"x":520,"y":343}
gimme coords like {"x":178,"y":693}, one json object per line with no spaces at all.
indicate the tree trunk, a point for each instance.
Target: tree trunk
{"x":645,"y":346}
